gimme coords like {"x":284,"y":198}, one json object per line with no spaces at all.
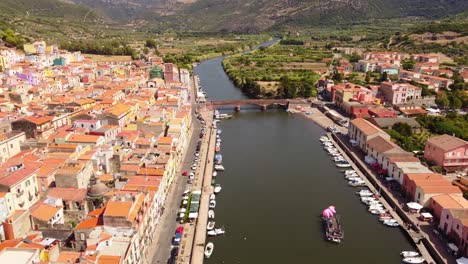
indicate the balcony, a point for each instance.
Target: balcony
{"x":19,"y":193}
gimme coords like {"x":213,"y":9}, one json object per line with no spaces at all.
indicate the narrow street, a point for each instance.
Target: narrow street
{"x":162,"y":238}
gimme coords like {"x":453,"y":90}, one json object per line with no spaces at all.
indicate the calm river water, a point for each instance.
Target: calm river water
{"x":277,"y":181}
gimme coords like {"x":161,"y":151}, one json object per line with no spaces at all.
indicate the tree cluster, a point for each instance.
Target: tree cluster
{"x":11,"y":39}
{"x":113,"y":47}
{"x":289,"y":88}
{"x":451,"y":124}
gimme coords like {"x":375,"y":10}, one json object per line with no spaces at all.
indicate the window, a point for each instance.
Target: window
{"x":11,"y":145}
{"x":28,"y":183}
{"x":447,"y":217}
{"x":458,"y":226}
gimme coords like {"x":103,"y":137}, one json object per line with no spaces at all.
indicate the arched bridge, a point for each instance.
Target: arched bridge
{"x":262,"y":103}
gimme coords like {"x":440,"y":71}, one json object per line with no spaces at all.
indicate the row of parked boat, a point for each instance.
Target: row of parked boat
{"x":211,"y":229}
{"x":367,"y":197}
{"x":340,"y":161}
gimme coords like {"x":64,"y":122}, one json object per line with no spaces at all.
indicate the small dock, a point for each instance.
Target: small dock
{"x":415,"y":237}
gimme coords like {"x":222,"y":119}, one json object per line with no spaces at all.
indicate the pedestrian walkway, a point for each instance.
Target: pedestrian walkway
{"x":198,"y":247}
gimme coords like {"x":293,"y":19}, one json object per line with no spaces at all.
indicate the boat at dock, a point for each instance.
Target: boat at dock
{"x":214,"y":174}
{"x":217,"y":188}
{"x":218,"y":159}
{"x":216,"y":232}
{"x":219,"y":167}
{"x":211,"y":214}
{"x":212,"y":196}
{"x":409,"y":254}
{"x":209,"y":249}
{"x":415,"y":260}
{"x":217,"y":148}
{"x":331,"y":222}
{"x":391,"y":222}
{"x":210,"y":225}
{"x":343,"y":164}
{"x":212,"y":204}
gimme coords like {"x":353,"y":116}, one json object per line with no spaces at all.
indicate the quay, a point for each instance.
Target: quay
{"x":193,"y":241}
{"x":198,"y":247}
{"x":386,"y":199}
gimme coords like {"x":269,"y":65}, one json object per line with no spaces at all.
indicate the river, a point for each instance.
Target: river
{"x":277,"y":181}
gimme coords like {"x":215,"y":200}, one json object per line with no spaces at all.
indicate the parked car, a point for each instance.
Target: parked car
{"x":176,"y":240}
{"x":180,"y":230}
{"x":185,"y":173}
{"x":175,"y":251}
{"x":172,"y":260}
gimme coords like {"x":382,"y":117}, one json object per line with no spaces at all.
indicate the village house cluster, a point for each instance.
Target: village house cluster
{"x":433,"y":191}
{"x":88,"y":152}
{"x":404,"y":95}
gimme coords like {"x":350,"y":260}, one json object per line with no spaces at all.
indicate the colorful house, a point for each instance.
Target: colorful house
{"x":448,"y":152}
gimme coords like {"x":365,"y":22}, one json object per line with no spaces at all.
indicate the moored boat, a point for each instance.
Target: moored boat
{"x":219,"y":167}
{"x":409,"y":254}
{"x":217,"y":188}
{"x":212,"y":196}
{"x":332,"y":225}
{"x":415,"y":260}
{"x":216,"y":232}
{"x":215,"y":173}
{"x":212,"y":204}
{"x":210,"y":225}
{"x":211,"y":214}
{"x":209,"y":249}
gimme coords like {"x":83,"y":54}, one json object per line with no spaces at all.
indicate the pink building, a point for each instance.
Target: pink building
{"x":454,"y":223}
{"x":449,"y":152}
{"x":400,"y":93}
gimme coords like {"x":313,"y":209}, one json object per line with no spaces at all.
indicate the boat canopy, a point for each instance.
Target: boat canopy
{"x":462,"y":260}
{"x":327,"y":213}
{"x":414,"y":206}
{"x":452,"y":247}
{"x":426,"y":215}
{"x":332,"y":208}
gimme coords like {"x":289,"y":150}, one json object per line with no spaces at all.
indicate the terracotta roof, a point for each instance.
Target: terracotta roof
{"x":97,"y":212}
{"x":446,"y":142}
{"x":68,"y":194}
{"x":38,"y":120}
{"x":45,"y":212}
{"x":381,"y":144}
{"x":68,"y":257}
{"x":365,"y":127}
{"x":18,"y":176}
{"x":136,"y":207}
{"x":103,"y":259}
{"x":450,"y":201}
{"x":151,"y":171}
{"x":440,"y":189}
{"x":117,"y":208}
{"x":89,"y":223}
{"x":119,"y":109}
{"x":165,"y":140}
{"x":83,"y":138}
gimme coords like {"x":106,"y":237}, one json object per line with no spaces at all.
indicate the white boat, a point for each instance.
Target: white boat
{"x":215,"y":173}
{"x":343,"y":165}
{"x":209,"y":249}
{"x":349,"y":171}
{"x":364,"y":193}
{"x":218,"y":144}
{"x":391,"y":222}
{"x":409,"y":254}
{"x":353,"y":178}
{"x":216,"y":232}
{"x":358,"y":183}
{"x":212,"y":196}
{"x":219,"y":131}
{"x":219,"y":167}
{"x":377,"y":211}
{"x":217,"y":188}
{"x":414,"y":260}
{"x":210,"y":225}
{"x":211,"y":214}
{"x":212,"y":204}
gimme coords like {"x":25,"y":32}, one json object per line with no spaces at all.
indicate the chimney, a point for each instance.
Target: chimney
{"x":8,"y":229}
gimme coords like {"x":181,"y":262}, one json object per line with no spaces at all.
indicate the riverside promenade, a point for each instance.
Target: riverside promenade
{"x":392,"y":205}
{"x":204,"y":184}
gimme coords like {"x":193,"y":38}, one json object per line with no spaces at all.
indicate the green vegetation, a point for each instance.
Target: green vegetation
{"x":12,"y":39}
{"x":451,"y":124}
{"x":283,"y":71}
{"x":112,"y":47}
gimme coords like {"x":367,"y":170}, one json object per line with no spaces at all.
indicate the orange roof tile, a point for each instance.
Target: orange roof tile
{"x":68,"y":257}
{"x":45,"y":212}
{"x":89,"y":223}
{"x":83,"y":138}
{"x":117,"y":208}
{"x":103,"y":259}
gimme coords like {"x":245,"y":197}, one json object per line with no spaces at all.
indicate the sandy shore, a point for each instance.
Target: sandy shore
{"x":318,"y":117}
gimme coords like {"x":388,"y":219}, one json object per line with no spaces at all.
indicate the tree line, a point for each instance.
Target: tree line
{"x":110,"y":47}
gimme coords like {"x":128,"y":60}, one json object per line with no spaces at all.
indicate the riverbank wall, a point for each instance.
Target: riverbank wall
{"x":421,"y":242}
